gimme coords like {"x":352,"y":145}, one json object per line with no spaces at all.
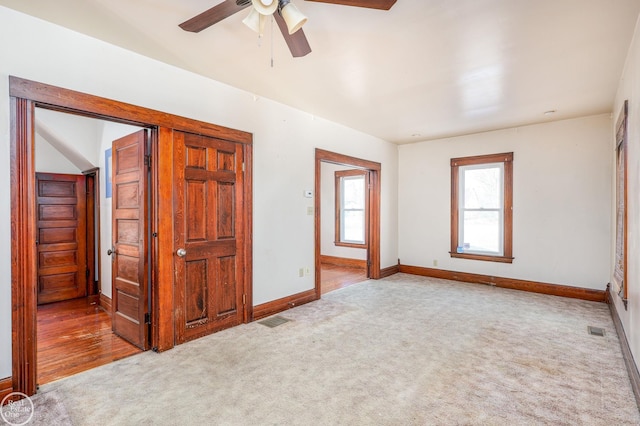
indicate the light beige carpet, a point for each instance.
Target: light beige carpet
{"x":404,"y":350}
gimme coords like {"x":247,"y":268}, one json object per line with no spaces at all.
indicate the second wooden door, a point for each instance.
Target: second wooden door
{"x":61,"y":237}
{"x":208,"y":235}
{"x":130,"y":224}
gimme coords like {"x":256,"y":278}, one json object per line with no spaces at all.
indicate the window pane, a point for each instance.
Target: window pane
{"x":353,"y":192}
{"x":482,"y":207}
{"x":482,"y":188}
{"x":481,"y":231}
{"x":353,"y":226}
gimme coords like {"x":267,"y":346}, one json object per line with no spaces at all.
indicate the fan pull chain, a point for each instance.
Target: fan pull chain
{"x":271,"y":41}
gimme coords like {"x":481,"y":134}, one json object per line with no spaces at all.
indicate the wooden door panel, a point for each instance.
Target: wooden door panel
{"x":58,"y":236}
{"x":225,"y":160}
{"x":195,"y":157}
{"x":208,"y":207}
{"x":61,"y":237}
{"x":125,"y":321}
{"x":60,"y":282}
{"x":128,"y":307}
{"x":55,"y":212}
{"x":128,"y":158}
{"x":196,"y":292}
{"x":128,"y":231}
{"x":127,"y":273}
{"x":53,"y":271}
{"x":226,"y":286}
{"x":196,"y":202}
{"x":129,"y":225}
{"x":226,"y":210}
{"x":56,"y":188}
{"x":128,"y":197}
{"x":57,"y":258}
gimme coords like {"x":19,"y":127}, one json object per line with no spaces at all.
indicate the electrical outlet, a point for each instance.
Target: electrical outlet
{"x":435,"y":262}
{"x":301,"y":272}
{"x":310,"y":210}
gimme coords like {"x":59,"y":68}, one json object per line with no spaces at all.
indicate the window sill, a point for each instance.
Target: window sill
{"x":470,"y":256}
{"x":352,"y":245}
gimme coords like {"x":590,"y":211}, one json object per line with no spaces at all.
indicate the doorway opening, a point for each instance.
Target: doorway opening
{"x":73,"y":238}
{"x":347,"y":221}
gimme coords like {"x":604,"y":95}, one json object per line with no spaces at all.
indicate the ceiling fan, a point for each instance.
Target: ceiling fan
{"x":286,"y":15}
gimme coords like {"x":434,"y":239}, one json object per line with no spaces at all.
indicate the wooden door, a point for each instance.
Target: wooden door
{"x":208,"y":236}
{"x":130,"y":285}
{"x":61,"y":237}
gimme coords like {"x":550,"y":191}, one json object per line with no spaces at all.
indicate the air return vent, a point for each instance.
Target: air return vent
{"x":274,"y":321}
{"x":595,"y":331}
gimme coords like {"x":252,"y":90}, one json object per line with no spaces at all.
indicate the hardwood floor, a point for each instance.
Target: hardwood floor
{"x":75,"y":336}
{"x":334,"y":277}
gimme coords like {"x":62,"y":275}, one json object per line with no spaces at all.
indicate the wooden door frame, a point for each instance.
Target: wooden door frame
{"x":25,"y":96}
{"x":93,"y":231}
{"x":373,"y":249}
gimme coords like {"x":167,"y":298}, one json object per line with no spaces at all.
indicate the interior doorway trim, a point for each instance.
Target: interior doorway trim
{"x":373,"y":257}
{"x":25,"y":95}
{"x":93,"y":232}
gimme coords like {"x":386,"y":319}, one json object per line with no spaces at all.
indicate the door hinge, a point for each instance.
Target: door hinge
{"x":244,"y":299}
{"x":87,"y":273}
{"x":147,"y":160}
{"x":147,"y":318}
{"x":243,"y":167}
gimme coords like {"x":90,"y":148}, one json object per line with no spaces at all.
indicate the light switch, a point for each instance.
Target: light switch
{"x":310,"y":211}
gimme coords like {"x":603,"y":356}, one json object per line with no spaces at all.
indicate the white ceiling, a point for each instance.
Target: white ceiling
{"x":425,"y":69}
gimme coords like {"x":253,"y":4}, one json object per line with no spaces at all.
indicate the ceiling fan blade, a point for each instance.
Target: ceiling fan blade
{"x":371,"y":4}
{"x":297,"y":42}
{"x":214,"y":15}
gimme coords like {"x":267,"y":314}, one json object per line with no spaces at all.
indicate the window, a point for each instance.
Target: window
{"x":482,"y":207}
{"x":620,"y":261}
{"x":351,"y":208}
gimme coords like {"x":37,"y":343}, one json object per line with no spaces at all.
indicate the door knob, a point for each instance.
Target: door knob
{"x":181,"y":252}
{"x":111,"y":251}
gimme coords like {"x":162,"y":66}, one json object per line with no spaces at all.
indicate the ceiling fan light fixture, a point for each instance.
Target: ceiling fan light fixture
{"x":265,"y":7}
{"x":255,"y":21}
{"x":292,"y":16}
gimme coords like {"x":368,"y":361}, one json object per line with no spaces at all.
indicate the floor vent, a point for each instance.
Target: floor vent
{"x":596,"y":331}
{"x":274,"y":321}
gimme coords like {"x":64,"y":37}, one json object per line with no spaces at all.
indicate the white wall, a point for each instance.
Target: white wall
{"x":50,"y":160}
{"x":328,"y":217}
{"x":284,"y":143}
{"x":75,"y":134}
{"x":629,"y":89}
{"x":561,"y":201}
